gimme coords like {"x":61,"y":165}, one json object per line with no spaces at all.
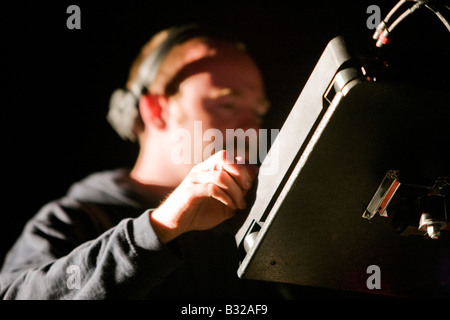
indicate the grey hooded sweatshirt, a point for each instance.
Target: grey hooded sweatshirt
{"x":97,"y":243}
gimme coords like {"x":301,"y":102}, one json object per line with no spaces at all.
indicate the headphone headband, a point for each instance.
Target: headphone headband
{"x":123,"y":107}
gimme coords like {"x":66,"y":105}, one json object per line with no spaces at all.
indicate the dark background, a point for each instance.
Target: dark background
{"x":57,"y":82}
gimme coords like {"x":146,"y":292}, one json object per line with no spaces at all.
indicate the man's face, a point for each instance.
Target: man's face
{"x":221,"y":90}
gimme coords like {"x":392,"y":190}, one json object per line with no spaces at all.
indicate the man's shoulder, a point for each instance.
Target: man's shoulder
{"x":96,"y":202}
{"x":103,"y":187}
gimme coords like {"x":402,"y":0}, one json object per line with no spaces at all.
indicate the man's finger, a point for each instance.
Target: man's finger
{"x":224,"y":181}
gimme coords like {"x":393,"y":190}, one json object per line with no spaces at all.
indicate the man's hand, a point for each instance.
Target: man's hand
{"x":208,"y":196}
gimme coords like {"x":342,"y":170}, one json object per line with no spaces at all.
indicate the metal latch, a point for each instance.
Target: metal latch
{"x":383,"y":195}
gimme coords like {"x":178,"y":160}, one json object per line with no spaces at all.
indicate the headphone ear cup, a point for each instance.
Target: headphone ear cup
{"x":123,"y":113}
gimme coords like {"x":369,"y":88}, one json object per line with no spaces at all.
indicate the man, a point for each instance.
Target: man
{"x":161,"y":229}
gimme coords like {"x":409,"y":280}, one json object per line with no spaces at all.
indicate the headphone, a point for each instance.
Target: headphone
{"x":123,"y":106}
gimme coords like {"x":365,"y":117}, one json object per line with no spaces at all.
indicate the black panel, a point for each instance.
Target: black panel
{"x":315,"y":234}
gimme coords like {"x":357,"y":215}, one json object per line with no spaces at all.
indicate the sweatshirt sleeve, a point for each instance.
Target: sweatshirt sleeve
{"x":50,"y":262}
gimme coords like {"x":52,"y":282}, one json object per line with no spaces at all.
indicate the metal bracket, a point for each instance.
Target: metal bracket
{"x":383,"y":195}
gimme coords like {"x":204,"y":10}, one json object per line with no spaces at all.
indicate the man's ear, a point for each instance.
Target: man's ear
{"x":151,"y":110}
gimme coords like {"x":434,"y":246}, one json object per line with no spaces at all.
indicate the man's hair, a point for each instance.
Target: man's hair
{"x":153,"y":70}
